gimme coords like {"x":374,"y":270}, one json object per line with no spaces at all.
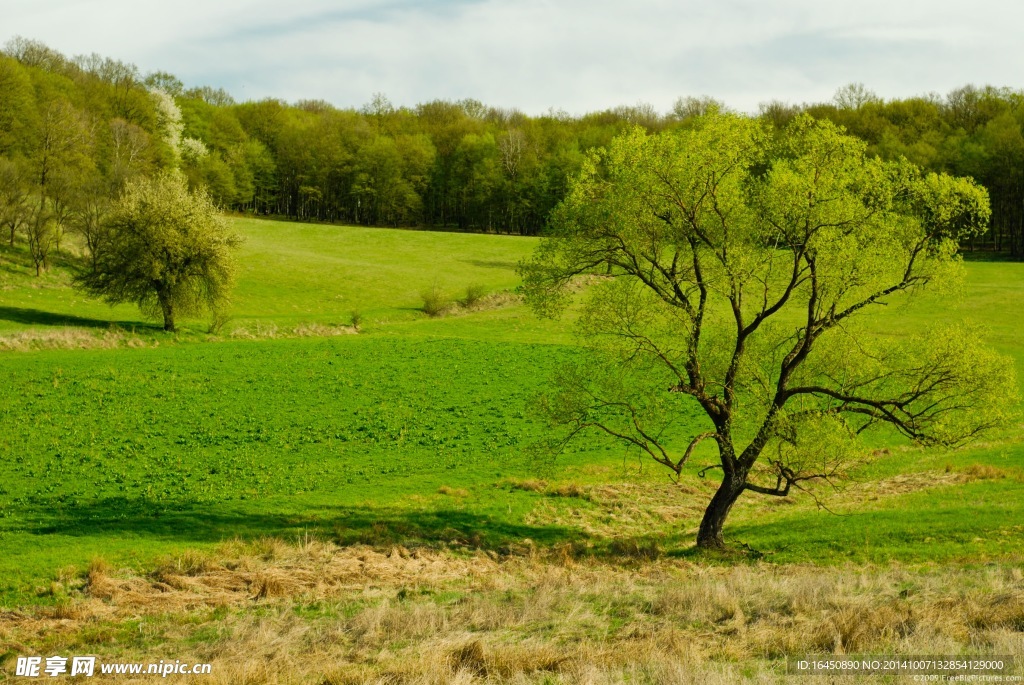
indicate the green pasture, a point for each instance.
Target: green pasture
{"x":417,"y":430}
{"x":292,"y":273}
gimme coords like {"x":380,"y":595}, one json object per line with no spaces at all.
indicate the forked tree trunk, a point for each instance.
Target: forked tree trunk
{"x":710,"y":534}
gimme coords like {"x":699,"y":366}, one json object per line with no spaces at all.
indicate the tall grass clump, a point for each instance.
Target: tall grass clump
{"x":474,"y":293}
{"x":435,"y":301}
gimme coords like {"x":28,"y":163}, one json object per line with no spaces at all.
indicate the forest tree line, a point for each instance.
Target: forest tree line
{"x":74,"y":131}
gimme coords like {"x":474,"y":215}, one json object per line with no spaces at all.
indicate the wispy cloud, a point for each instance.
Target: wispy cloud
{"x":536,"y":54}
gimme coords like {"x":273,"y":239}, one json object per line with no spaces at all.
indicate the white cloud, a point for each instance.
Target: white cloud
{"x":536,"y":54}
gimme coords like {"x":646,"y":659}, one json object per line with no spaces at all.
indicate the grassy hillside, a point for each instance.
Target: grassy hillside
{"x":411,"y":404}
{"x":416,"y":433}
{"x":292,"y":273}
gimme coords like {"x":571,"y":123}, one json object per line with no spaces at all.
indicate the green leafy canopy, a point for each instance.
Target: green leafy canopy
{"x":165,"y":248}
{"x":737,"y":266}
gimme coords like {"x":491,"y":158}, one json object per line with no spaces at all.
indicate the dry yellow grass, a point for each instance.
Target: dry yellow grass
{"x":611,"y":511}
{"x":267,"y":331}
{"x":636,"y":510}
{"x":989,"y":472}
{"x":483,"y":303}
{"x":77,"y":338}
{"x":527,"y":484}
{"x":313,"y":612}
{"x":496,"y":300}
{"x":70,"y":338}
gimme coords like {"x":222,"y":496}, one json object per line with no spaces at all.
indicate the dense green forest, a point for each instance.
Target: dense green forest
{"x":73,"y":131}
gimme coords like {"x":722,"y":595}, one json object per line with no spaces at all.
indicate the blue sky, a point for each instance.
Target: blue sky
{"x":539,"y":54}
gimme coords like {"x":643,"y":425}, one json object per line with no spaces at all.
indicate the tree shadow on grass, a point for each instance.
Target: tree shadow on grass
{"x":987,"y":256}
{"x":203,"y":523}
{"x":18,"y":261}
{"x":14,"y":260}
{"x":9,"y":266}
{"x":38,"y":317}
{"x":491,"y":264}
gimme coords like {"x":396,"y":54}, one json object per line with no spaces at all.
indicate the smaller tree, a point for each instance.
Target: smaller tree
{"x":15,"y":201}
{"x":854,"y":96}
{"x":165,"y":248}
{"x":41,"y":234}
{"x":90,"y":206}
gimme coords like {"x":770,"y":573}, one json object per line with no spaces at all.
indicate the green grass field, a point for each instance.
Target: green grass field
{"x":126,"y":448}
{"x":134,"y":453}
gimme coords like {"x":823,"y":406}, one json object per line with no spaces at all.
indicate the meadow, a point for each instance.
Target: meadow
{"x":333,"y":473}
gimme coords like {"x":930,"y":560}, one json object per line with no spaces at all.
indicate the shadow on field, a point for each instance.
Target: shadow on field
{"x":201,"y":522}
{"x":14,"y":260}
{"x":40,"y":318}
{"x":18,"y":261}
{"x":987,"y":256}
{"x":491,"y":264}
{"x":441,"y":526}
{"x":9,"y":266}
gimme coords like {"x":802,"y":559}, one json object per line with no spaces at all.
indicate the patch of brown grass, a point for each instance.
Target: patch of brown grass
{"x":527,"y":484}
{"x":274,"y":583}
{"x":270,"y":331}
{"x":314,"y":612}
{"x":635,"y":549}
{"x":584,"y":281}
{"x":436,"y":304}
{"x":498,"y":300}
{"x":568,"y":490}
{"x":901,"y":484}
{"x":565,"y":489}
{"x":70,"y":338}
{"x":986,"y":472}
{"x":317,"y":330}
{"x":453,"y":492}
{"x":612,"y":511}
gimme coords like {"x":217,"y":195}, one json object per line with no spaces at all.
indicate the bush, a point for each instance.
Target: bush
{"x":435,"y":301}
{"x":218,"y":317}
{"x":474,"y":294}
{"x":357,"y":318}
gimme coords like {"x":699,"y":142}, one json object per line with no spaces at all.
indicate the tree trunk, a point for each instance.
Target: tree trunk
{"x":710,"y":534}
{"x":168,"y":310}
